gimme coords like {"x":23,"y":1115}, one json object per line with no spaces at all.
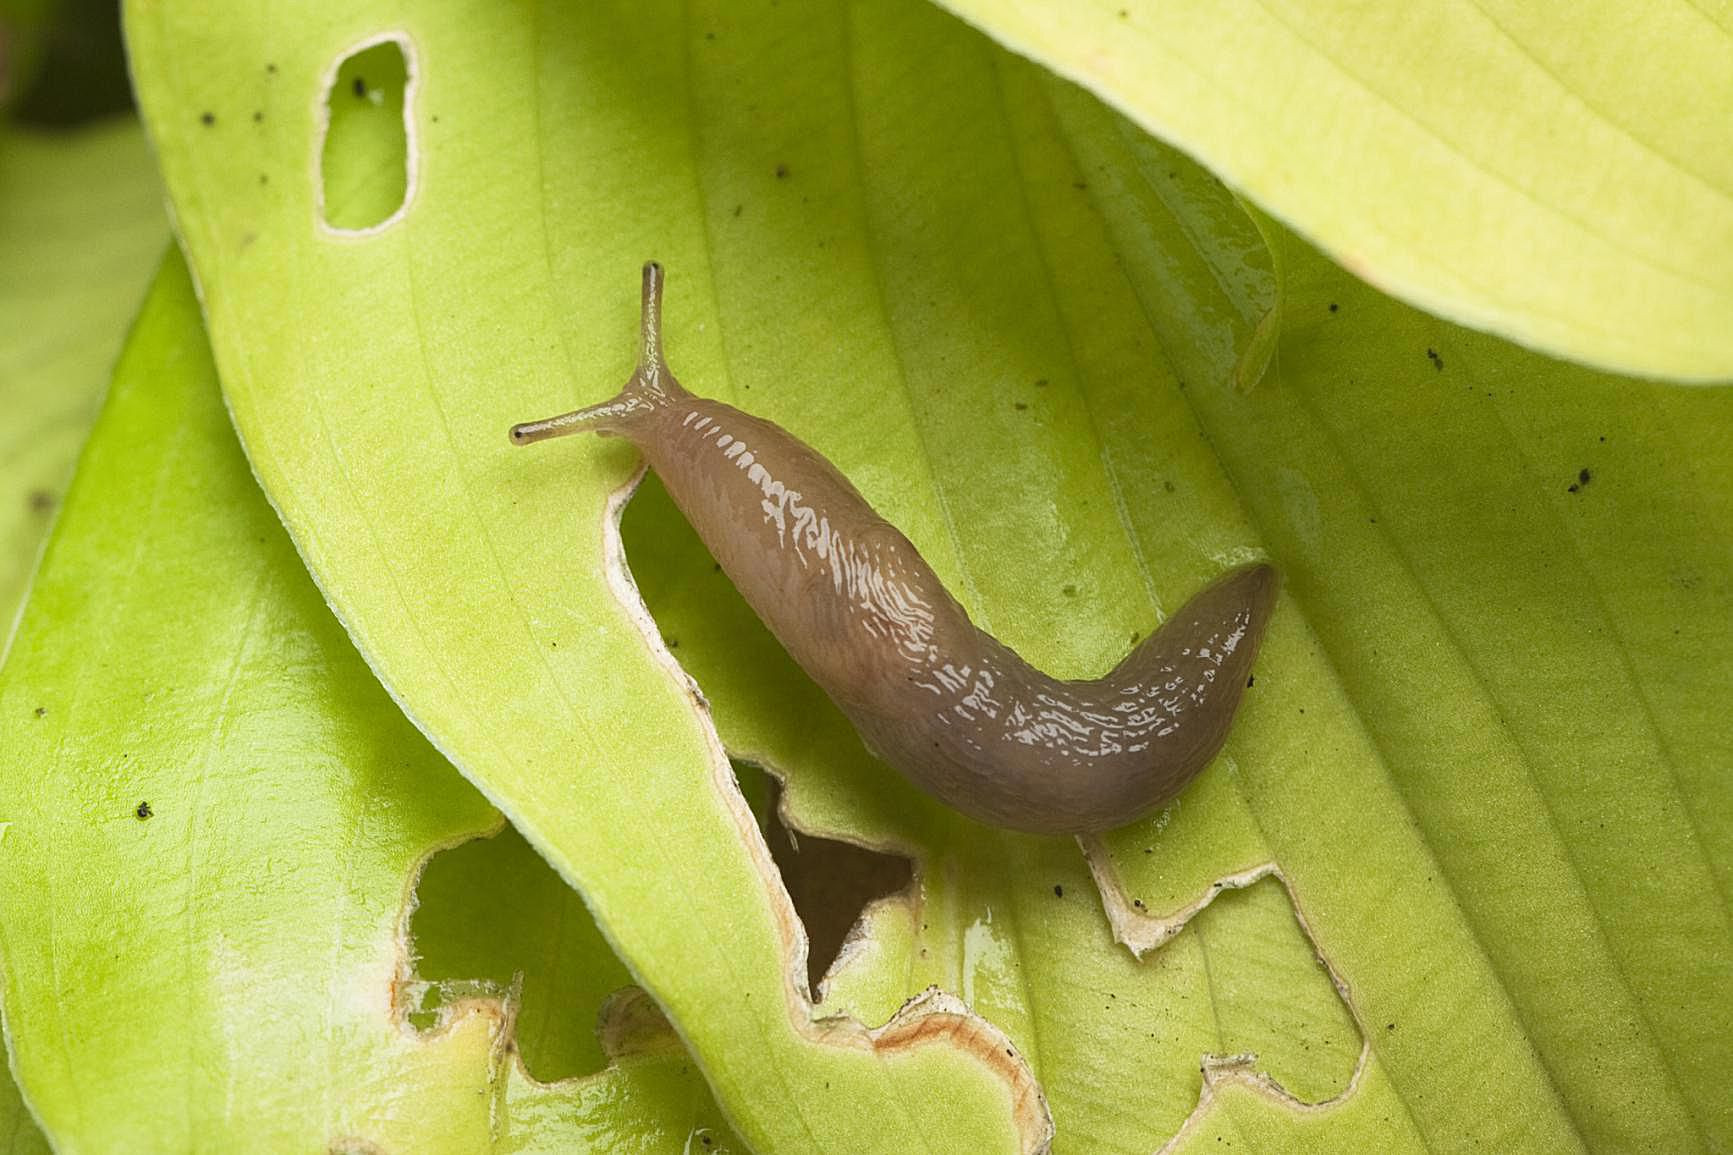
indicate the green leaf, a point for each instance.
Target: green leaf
{"x":372,"y":385}
{"x":81,"y":226}
{"x":213,"y":819}
{"x":1560,"y":174}
{"x":1015,"y":322}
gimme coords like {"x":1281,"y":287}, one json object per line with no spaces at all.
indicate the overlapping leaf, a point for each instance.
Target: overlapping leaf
{"x":1557,"y":173}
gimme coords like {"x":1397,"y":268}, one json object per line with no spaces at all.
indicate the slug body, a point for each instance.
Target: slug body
{"x":945,"y":703}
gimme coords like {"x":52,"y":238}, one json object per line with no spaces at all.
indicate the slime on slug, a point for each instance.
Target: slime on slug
{"x":945,"y":703}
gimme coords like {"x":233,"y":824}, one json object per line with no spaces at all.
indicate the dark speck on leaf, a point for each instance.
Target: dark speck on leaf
{"x":40,"y":500}
{"x":1437,"y":361}
{"x":1019,"y":405}
{"x":738,"y":209}
{"x":1250,"y":680}
{"x":1149,"y":850}
{"x":208,"y":119}
{"x":263,"y":179}
{"x":1334,"y":306}
{"x":1168,"y":486}
{"x":709,"y":36}
{"x":1058,"y":891}
{"x":258,"y":116}
{"x":1138,"y":903}
{"x":1080,"y":185}
{"x":781,"y":172}
{"x":360,"y":87}
{"x":143,"y":811}
{"x":715,"y":567}
{"x":673,"y":643}
{"x":1040,"y":382}
{"x":1390,"y":1026}
{"x":1583,"y":476}
{"x":42,"y":711}
{"x":271,"y":68}
{"x":1069,"y":591}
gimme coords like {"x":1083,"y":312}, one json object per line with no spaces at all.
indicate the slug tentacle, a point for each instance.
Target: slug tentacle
{"x":855,"y":604}
{"x":652,"y":386}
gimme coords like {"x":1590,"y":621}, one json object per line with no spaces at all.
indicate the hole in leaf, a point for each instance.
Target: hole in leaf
{"x":364,"y":166}
{"x":494,"y":920}
{"x":830,"y":882}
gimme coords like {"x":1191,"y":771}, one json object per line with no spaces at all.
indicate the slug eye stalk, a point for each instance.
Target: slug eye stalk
{"x":648,"y":388}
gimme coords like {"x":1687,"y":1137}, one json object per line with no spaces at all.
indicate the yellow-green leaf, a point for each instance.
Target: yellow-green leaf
{"x":1557,"y":173}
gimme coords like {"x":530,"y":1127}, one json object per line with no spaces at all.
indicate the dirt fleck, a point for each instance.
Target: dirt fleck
{"x":40,"y":500}
{"x":1334,"y":306}
{"x":782,"y":172}
{"x":1069,"y":591}
{"x":1437,"y":361}
{"x":360,"y":87}
{"x":1019,"y":406}
{"x":1251,"y":679}
{"x":42,"y":711}
{"x":207,"y":119}
{"x":1058,"y":891}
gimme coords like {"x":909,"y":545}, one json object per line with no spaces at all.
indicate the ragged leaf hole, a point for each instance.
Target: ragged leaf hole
{"x":367,"y":158}
{"x":830,"y":882}
{"x":493,"y":920}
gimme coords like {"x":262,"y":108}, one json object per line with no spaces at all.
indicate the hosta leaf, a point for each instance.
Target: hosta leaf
{"x":212,"y":816}
{"x":1421,"y":485}
{"x":372,"y":385}
{"x":1556,"y":173}
{"x":81,"y":225}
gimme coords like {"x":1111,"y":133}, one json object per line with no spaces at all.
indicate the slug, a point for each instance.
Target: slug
{"x":942,"y":701}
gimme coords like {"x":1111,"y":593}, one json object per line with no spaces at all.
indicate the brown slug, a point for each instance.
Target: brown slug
{"x":947,"y":704}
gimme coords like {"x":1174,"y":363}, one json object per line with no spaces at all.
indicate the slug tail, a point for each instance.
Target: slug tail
{"x":1212,"y":640}
{"x":651,"y":387}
